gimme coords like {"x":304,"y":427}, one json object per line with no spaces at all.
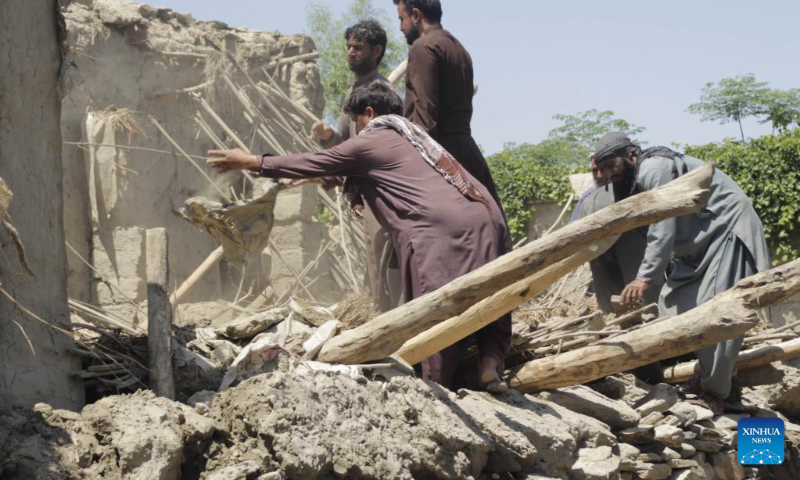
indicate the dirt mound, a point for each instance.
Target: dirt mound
{"x":289,"y":424}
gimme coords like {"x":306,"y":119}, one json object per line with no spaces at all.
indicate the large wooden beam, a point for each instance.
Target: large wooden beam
{"x":728,"y":315}
{"x":388,"y":332}
{"x":159,"y":314}
{"x":491,"y":308}
{"x":756,"y":357}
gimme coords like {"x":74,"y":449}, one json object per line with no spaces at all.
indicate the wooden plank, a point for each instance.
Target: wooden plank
{"x":729,"y":315}
{"x":159,"y":314}
{"x":388,"y":332}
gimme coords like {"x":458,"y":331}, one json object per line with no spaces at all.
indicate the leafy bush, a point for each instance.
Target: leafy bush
{"x":521,"y":181}
{"x":768,"y":170}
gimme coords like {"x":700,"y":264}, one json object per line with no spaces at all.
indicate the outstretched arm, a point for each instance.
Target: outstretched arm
{"x":339,"y":160}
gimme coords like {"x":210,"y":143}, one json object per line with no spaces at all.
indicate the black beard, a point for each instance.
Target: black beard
{"x":360,"y":68}
{"x":623,"y":188}
{"x":412,"y":35}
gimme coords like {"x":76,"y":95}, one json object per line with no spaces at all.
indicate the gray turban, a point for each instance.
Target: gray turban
{"x":611,"y":145}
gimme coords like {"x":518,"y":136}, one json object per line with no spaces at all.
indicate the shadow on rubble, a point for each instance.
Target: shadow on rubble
{"x":36,"y":445}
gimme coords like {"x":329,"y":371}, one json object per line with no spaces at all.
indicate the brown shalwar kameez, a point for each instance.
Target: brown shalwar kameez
{"x":439,"y":90}
{"x":438,"y":233}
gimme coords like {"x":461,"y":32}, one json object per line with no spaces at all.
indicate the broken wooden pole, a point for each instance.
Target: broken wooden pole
{"x":748,"y":359}
{"x":728,"y":315}
{"x":398,"y":72}
{"x":190,"y":282}
{"x":491,"y":308}
{"x":189,"y":158}
{"x":159,"y":314}
{"x":388,"y":332}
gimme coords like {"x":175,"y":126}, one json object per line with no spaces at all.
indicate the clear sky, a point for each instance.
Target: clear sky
{"x":645,"y":60}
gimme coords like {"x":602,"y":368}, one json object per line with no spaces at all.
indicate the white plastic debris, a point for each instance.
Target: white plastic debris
{"x":320,"y":336}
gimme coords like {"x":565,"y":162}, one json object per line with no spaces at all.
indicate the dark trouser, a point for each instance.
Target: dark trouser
{"x":493,"y":340}
{"x":718,"y":362}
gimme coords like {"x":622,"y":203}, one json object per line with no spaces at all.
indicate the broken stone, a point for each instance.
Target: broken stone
{"x":707,"y":468}
{"x":685,"y":412}
{"x":672,"y":420}
{"x":686,"y":475}
{"x":652,"y":447}
{"x":649,"y":471}
{"x":615,"y":413}
{"x":670,"y":435}
{"x":687,"y":451}
{"x":726,"y":465}
{"x":627,"y":451}
{"x":706,"y":446}
{"x":637,"y":435}
{"x":681,"y":463}
{"x":649,"y":458}
{"x":707,"y":434}
{"x":595,"y":463}
{"x":653,"y":419}
{"x":623,"y":386}
{"x":670,"y":454}
{"x":660,"y":399}
{"x":702,"y":413}
{"x":728,"y":421}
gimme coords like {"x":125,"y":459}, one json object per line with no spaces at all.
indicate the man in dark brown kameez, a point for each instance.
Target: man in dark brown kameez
{"x":439,"y":86}
{"x":443,"y":222}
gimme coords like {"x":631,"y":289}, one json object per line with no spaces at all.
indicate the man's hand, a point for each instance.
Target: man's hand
{"x":633,"y":293}
{"x":320,"y":131}
{"x":236,"y":159}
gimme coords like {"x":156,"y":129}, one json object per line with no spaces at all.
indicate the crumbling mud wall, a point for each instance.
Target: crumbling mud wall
{"x":126,"y":62}
{"x":34,"y":364}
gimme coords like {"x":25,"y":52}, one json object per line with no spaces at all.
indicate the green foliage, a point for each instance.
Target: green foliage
{"x":327,"y":31}
{"x":782,"y":109}
{"x":733,"y":99}
{"x":528,"y":173}
{"x":768,"y":170}
{"x":521,"y":182}
{"x":584,"y":129}
{"x":570,"y":144}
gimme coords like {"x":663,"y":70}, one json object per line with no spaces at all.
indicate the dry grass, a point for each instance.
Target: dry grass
{"x":121,"y":120}
{"x":355,"y":310}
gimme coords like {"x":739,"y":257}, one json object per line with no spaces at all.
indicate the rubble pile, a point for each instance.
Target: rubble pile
{"x":280,"y":415}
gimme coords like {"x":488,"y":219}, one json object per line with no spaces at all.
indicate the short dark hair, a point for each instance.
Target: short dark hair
{"x":368,"y":31}
{"x":432,"y":9}
{"x":383,"y":99}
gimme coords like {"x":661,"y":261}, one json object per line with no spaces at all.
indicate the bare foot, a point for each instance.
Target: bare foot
{"x":488,"y":370}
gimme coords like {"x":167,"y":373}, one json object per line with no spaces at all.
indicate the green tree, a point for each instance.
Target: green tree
{"x":731,"y":100}
{"x":570,"y":144}
{"x":528,"y":173}
{"x":768,"y":171}
{"x":585,"y":128}
{"x":782,"y":109}
{"x":327,"y":31}
{"x":522,"y":182}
